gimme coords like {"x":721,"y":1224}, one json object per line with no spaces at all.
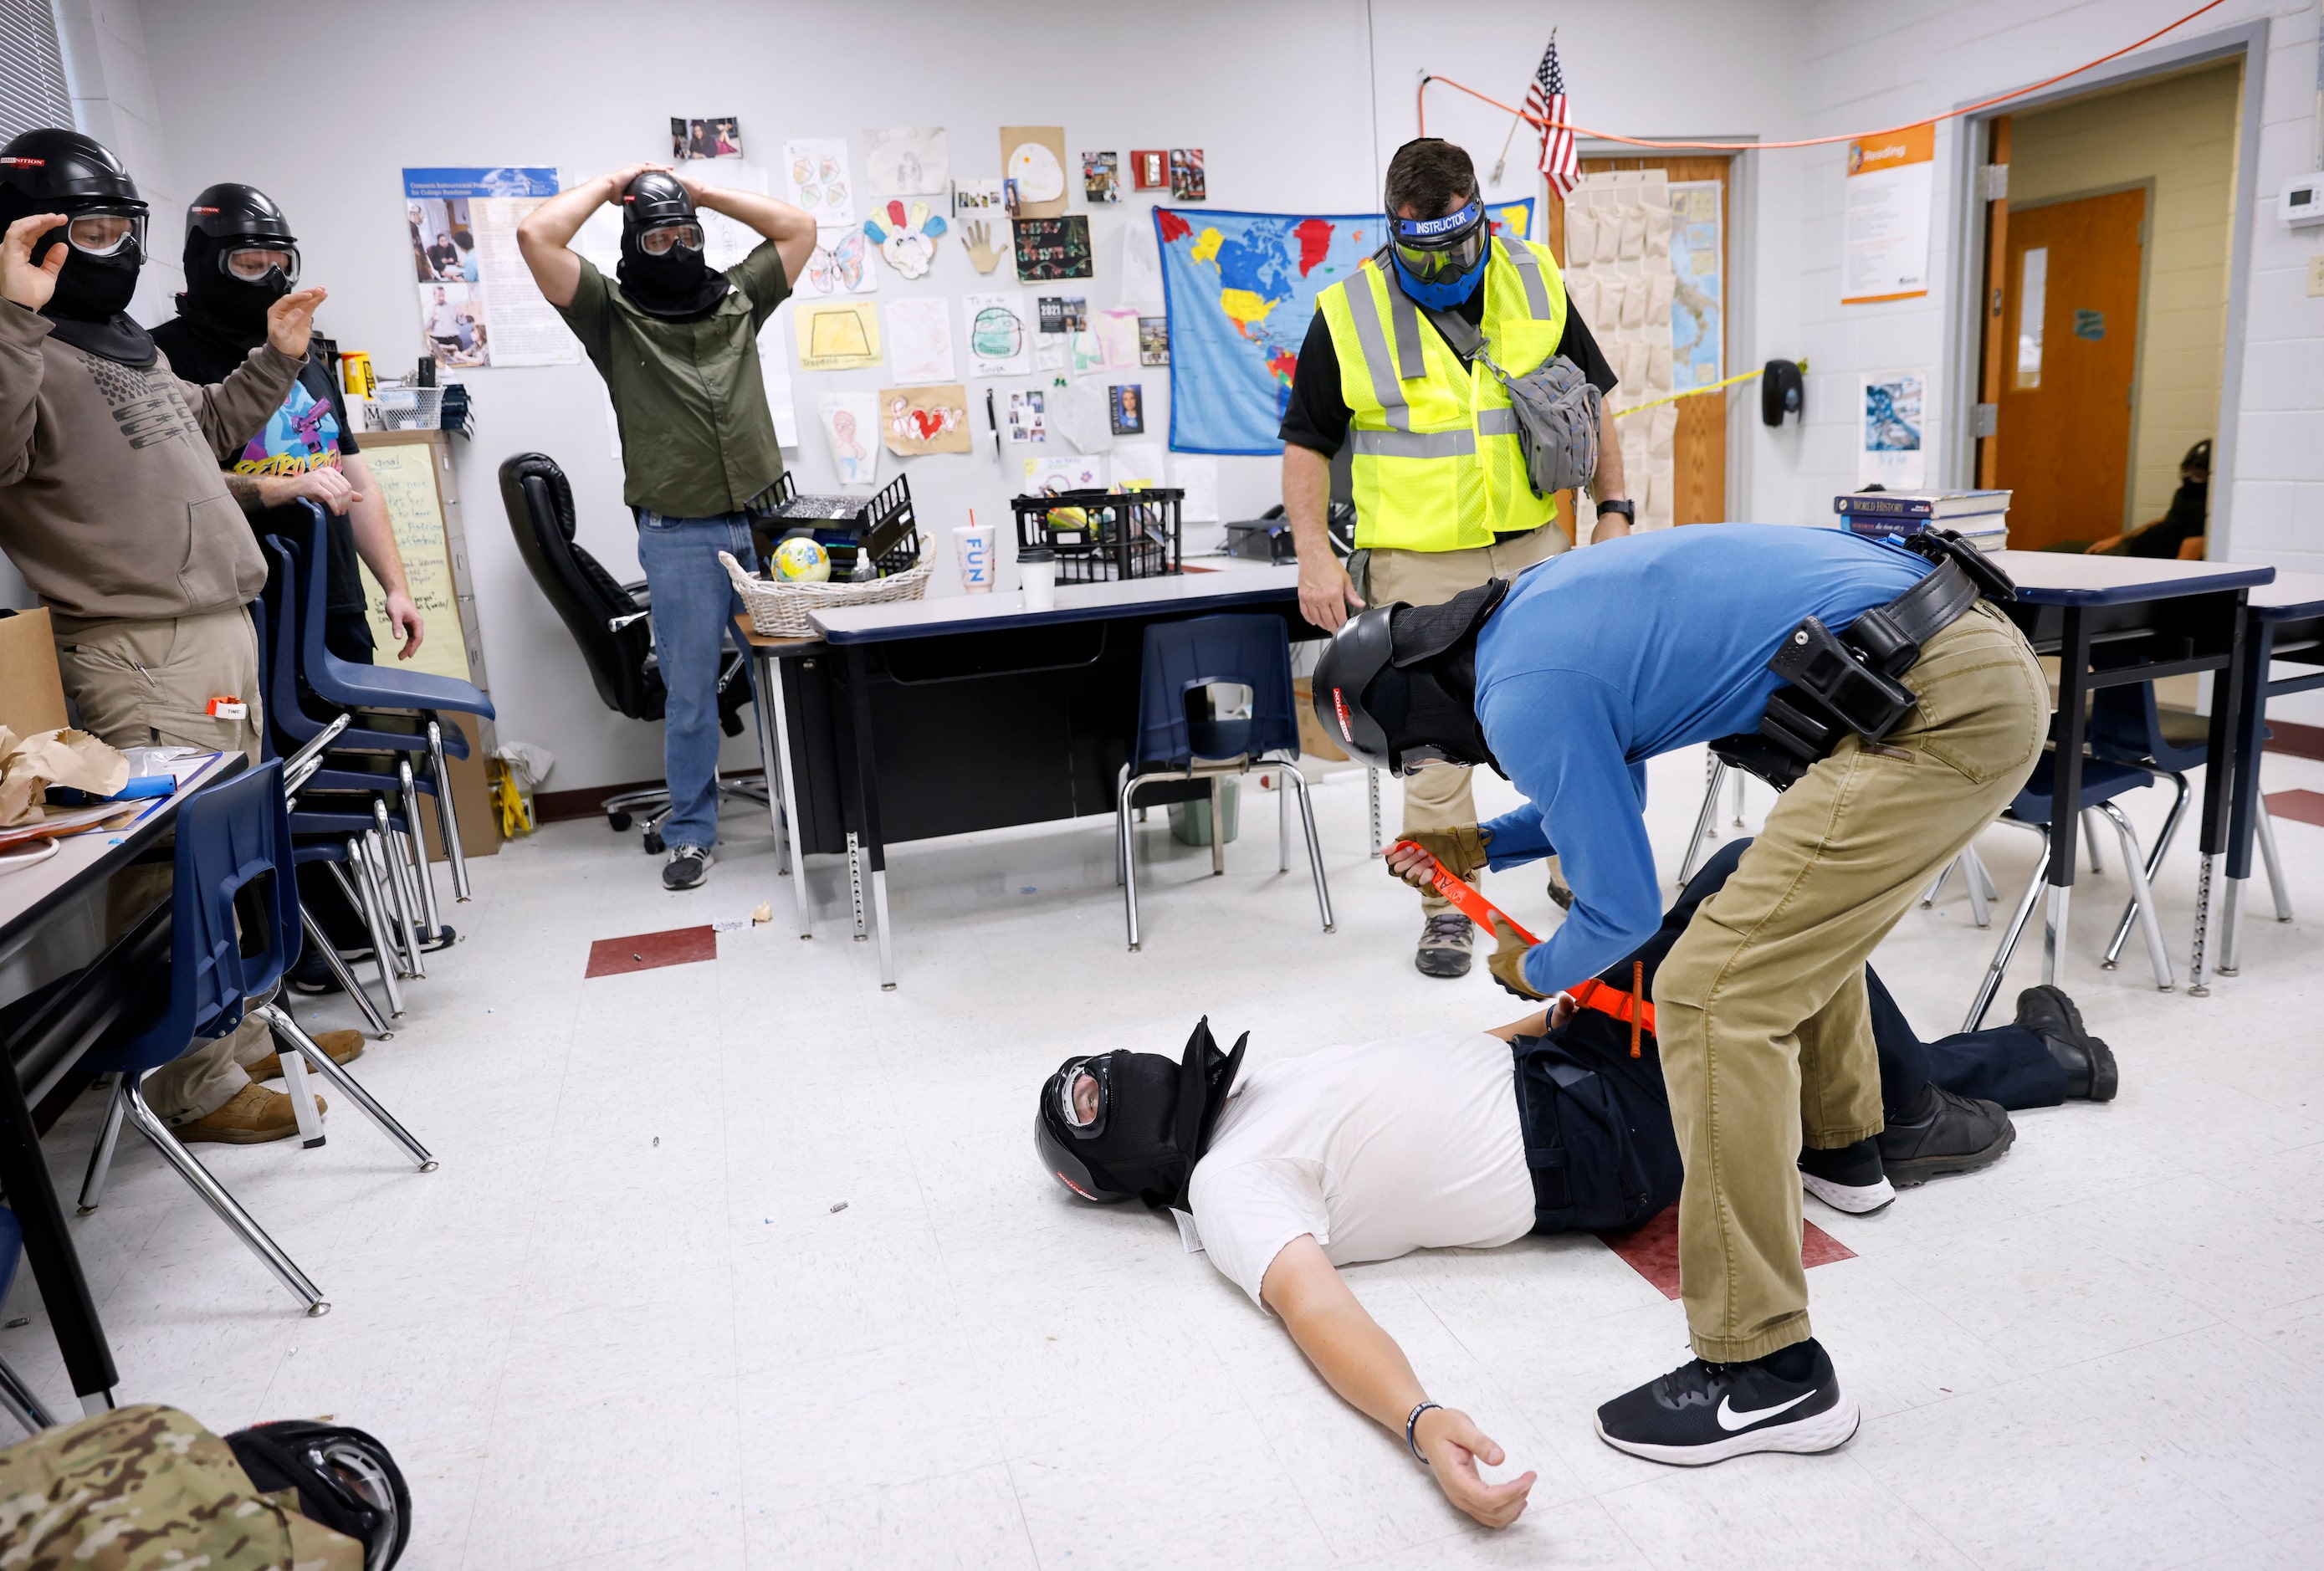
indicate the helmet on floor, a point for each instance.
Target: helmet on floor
{"x":345,"y":1480}
{"x":1397,"y":686}
{"x":1112,"y":1125}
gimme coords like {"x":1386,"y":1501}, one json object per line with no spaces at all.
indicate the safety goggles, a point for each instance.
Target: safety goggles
{"x":657,"y":242}
{"x":361,"y":1484}
{"x":1084,"y":1093}
{"x":251,"y":263}
{"x":1431,"y":249}
{"x":105,"y":234}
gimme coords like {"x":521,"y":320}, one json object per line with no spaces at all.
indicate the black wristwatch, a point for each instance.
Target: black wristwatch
{"x":1628,"y":511}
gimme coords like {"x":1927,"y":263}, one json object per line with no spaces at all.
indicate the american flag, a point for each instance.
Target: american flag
{"x":1545,"y":101}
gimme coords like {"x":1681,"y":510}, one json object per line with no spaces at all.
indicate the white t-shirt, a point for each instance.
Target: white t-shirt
{"x":1377,"y":1149}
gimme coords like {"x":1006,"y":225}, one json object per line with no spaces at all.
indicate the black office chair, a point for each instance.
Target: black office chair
{"x":611,"y":622}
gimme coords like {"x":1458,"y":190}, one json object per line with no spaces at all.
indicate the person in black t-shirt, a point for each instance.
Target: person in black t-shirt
{"x":240,"y":256}
{"x":2168,"y":538}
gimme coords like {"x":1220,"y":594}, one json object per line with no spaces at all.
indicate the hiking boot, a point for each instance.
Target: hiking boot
{"x":1943,"y":1133}
{"x":1848,"y":1178}
{"x":1702,"y":1413}
{"x":344,"y":1046}
{"x":1444,"y":943}
{"x":2088,"y":1063}
{"x":686,"y":866}
{"x":1560,"y":891}
{"x":254,"y":1116}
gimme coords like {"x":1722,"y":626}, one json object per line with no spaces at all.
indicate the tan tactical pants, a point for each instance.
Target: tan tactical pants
{"x":1760,"y":1008}
{"x":148,"y":683}
{"x":1438,"y":797}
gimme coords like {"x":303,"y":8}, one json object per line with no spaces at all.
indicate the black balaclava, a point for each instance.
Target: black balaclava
{"x":678,"y":285}
{"x":1426,"y":696}
{"x":64,"y":172}
{"x":230,"y":311}
{"x":1157,"y":1120}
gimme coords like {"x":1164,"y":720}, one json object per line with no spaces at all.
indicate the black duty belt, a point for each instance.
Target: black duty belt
{"x":1836,"y":683}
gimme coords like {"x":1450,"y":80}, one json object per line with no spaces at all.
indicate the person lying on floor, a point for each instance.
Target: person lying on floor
{"x":1367,"y":1152}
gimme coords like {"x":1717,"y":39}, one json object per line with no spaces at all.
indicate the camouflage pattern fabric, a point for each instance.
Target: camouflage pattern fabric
{"x":148,"y":1489}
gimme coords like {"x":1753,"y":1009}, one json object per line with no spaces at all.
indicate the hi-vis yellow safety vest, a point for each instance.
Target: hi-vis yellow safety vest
{"x":1438,"y":467}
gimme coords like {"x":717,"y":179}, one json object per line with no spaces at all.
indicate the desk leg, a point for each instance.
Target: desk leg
{"x":2219,"y":786}
{"x":775,"y":758}
{"x":2251,"y":726}
{"x":1372,"y":791}
{"x":2066,"y":785}
{"x":867,"y":808}
{"x":48,"y":1247}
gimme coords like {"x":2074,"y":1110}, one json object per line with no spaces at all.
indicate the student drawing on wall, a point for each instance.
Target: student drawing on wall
{"x":854,"y":462}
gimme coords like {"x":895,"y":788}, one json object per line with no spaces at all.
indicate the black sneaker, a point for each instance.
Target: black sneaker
{"x":1445,"y":945}
{"x":686,"y":866}
{"x":2088,"y":1063}
{"x":1943,"y":1133}
{"x":1849,"y":1179}
{"x":1701,"y":1413}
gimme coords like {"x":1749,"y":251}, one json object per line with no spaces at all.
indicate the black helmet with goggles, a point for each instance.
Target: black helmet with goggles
{"x":1396,"y":686}
{"x":64,"y":172}
{"x":1114,"y":1125}
{"x":237,"y":230}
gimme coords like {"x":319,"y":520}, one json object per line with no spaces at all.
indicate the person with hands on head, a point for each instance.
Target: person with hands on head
{"x":113,"y":507}
{"x":1897,"y":711}
{"x":676,"y":341}
{"x":1444,"y":498}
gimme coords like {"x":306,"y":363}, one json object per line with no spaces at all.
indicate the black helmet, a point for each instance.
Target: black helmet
{"x":63,"y":171}
{"x":1359,"y":651}
{"x":1116,"y":1124}
{"x":229,"y":222}
{"x":228,"y":211}
{"x":655,"y":199}
{"x":346,"y":1481}
{"x":1397,"y":684}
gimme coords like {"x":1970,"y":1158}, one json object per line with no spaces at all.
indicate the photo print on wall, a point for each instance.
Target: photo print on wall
{"x":712,"y":136}
{"x":1186,"y":183}
{"x":1101,"y":178}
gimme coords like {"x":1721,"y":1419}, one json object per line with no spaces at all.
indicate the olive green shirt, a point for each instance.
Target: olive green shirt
{"x":698,"y":440}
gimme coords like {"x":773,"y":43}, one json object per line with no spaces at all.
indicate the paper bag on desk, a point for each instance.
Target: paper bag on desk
{"x":30,"y":765}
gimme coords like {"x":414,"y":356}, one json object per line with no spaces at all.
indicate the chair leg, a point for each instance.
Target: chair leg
{"x":1936,"y":889}
{"x":2016,"y":928}
{"x":345,"y":973}
{"x":1121,"y":827}
{"x":1738,"y":775}
{"x":303,"y":1106}
{"x":1372,"y":793}
{"x":1314,"y":848}
{"x":1282,"y":826}
{"x":229,"y":1210}
{"x":108,"y":1137}
{"x":447,"y":819}
{"x":355,"y":882}
{"x":2142,"y":896}
{"x":22,"y":1404}
{"x":427,"y":873}
{"x":286,"y":1029}
{"x":1972,"y":878}
{"x":1702,"y":821}
{"x":1975,"y":866}
{"x":390,"y":868}
{"x":2090,"y":838}
{"x":1218,"y":828}
{"x":2263,"y":831}
{"x":1127,"y":851}
{"x":2154,"y":870}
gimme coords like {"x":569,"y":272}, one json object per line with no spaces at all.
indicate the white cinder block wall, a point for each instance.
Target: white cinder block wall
{"x":1298,"y":104}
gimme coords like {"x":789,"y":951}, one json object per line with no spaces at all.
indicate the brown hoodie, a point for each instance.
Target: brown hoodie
{"x":111,"y":501}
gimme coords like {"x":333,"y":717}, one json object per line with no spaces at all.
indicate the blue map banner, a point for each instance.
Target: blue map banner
{"x":1240,"y":289}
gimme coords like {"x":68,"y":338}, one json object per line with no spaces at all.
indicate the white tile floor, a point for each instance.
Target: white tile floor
{"x":625,"y":1324}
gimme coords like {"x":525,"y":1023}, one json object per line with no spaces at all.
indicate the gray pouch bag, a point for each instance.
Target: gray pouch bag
{"x":1555,"y":407}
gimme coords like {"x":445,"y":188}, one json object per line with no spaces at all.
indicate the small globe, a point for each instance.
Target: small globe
{"x":802,"y":561}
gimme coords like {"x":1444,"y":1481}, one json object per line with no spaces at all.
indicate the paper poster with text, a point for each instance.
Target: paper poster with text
{"x":1891,"y":451}
{"x":478,"y":305}
{"x":1888,"y":189}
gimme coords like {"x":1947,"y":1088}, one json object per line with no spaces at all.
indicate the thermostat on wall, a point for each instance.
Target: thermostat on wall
{"x":2301,"y":201}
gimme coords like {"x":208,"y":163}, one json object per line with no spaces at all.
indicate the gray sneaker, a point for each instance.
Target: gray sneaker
{"x":686,"y":866}
{"x":1444,"y":945}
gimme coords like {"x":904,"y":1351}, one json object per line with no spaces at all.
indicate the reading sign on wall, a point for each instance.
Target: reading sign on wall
{"x":1887,"y":226}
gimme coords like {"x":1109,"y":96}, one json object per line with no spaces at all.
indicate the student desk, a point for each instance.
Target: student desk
{"x":930,"y":717}
{"x":61,"y":987}
{"x":2100,"y":616}
{"x":2284,"y":621}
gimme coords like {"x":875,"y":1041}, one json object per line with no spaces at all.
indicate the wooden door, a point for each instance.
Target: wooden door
{"x":2070,"y":352}
{"x":1699,"y":449}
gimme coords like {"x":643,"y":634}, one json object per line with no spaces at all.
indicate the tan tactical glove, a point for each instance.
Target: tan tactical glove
{"x":1508,"y":964}
{"x":1461,"y":849}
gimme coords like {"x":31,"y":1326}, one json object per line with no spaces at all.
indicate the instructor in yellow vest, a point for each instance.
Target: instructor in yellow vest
{"x":1442,"y":500}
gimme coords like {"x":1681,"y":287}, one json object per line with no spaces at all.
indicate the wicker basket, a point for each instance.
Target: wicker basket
{"x":780,"y":610}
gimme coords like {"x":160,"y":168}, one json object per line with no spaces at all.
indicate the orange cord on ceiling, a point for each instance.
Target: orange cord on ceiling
{"x":1421,"y":96}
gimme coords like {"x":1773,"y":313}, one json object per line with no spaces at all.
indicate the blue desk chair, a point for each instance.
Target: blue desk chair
{"x":2034,"y":808}
{"x":234,"y":914}
{"x":17,"y":1399}
{"x":2128,"y":727}
{"x":1215,"y":701}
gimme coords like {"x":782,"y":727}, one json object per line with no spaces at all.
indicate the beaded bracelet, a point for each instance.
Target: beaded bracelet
{"x":1412,"y":1428}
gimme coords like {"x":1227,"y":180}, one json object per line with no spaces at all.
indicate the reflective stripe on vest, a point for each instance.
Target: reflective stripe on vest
{"x":1438,"y":462}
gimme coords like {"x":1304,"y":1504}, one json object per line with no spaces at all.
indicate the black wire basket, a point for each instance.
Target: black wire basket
{"x":844,"y":526}
{"x":1101,"y":535}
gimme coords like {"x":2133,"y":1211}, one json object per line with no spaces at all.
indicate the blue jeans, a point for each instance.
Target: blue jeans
{"x":694,"y":607}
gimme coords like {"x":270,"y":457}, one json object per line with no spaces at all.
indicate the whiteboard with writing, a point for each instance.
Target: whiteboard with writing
{"x":405,"y":474}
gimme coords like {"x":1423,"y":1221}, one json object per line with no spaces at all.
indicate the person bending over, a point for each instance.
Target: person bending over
{"x":1367,"y":1152}
{"x":677,"y":344}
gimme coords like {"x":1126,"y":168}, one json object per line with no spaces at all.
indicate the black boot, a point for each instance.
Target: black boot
{"x":2088,"y":1063}
{"x":1942,"y":1133}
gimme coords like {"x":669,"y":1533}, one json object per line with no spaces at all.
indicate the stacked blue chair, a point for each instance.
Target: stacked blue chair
{"x":16,"y":1398}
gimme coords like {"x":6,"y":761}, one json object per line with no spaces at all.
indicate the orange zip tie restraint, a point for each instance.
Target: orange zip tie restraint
{"x":1632,"y":1008}
{"x":1421,"y":95}
{"x":1472,"y":905}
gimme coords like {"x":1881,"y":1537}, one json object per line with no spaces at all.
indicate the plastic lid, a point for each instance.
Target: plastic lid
{"x":1036,"y":554}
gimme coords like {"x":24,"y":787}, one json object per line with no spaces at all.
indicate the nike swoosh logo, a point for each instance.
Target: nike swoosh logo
{"x":1731,"y":1420}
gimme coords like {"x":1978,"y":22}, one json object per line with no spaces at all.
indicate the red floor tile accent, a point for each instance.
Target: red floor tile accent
{"x":2307,"y":806}
{"x":1652,"y":1249}
{"x":645,"y":951}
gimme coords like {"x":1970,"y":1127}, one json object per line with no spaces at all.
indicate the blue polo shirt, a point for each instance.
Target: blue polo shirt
{"x":1601,"y":658}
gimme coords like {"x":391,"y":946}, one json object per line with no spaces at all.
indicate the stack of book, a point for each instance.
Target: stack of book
{"x":1982,"y":517}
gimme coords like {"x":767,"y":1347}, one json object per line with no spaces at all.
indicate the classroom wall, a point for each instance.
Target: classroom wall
{"x":2179,"y":133}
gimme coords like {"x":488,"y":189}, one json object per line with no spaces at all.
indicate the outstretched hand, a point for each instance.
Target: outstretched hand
{"x":1453,"y":1445}
{"x":28,"y":283}
{"x":292,"y":319}
{"x":976,"y":235}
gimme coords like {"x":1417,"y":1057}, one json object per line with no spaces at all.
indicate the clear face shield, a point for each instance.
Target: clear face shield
{"x":658,"y":241}
{"x":1439,"y":250}
{"x":251,"y":263}
{"x":105,"y":234}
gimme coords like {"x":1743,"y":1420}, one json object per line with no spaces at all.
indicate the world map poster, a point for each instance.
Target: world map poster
{"x":1240,"y":289}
